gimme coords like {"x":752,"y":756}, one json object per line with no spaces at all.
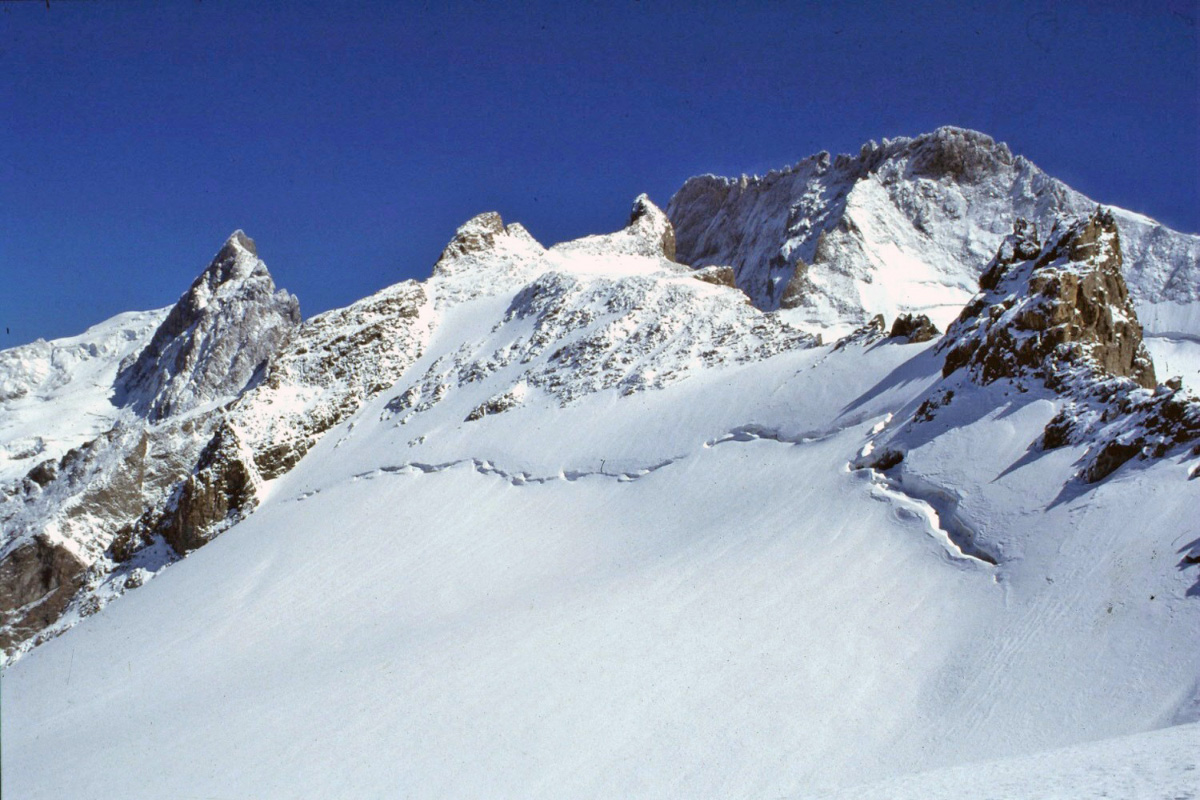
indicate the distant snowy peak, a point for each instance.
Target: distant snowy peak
{"x":219,"y":334}
{"x":906,"y":226}
{"x":57,"y":395}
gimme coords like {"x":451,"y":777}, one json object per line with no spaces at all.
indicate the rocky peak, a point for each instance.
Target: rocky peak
{"x":484,"y":242}
{"x":956,"y":153}
{"x":1063,"y":301}
{"x":648,"y":233}
{"x":649,"y":224}
{"x":474,"y":236}
{"x":220,"y":333}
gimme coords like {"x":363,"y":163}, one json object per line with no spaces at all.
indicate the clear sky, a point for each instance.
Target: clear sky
{"x":351,"y":138}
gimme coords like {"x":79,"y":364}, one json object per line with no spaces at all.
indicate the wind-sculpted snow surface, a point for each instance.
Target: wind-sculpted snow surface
{"x":1159,"y":764}
{"x":907,"y":226}
{"x":679,"y":592}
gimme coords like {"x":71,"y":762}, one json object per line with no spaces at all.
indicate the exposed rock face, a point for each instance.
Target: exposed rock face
{"x":222,"y":488}
{"x":718,"y":276}
{"x":906,"y":226}
{"x":1058,"y":312}
{"x":1068,"y":301}
{"x":38,"y":578}
{"x":333,"y":364}
{"x":1121,"y":422}
{"x":222,"y":332}
{"x":476,"y":235}
{"x":914,"y":328}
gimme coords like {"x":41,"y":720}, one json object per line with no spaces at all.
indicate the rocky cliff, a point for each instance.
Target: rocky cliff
{"x":1047,"y":305}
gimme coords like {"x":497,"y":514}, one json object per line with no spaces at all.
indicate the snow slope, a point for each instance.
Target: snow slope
{"x":1162,"y":764}
{"x":605,"y":537}
{"x":57,"y":395}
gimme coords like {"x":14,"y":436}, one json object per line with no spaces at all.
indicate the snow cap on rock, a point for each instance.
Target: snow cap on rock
{"x":480,"y":235}
{"x":648,"y":222}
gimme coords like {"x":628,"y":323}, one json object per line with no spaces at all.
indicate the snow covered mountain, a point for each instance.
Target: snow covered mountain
{"x":907,"y":226}
{"x":589,"y":521}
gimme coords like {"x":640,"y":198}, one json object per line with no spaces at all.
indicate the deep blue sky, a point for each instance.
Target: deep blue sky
{"x":350,"y":139}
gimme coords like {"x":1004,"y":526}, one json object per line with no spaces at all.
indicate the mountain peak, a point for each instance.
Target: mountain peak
{"x":648,"y":233}
{"x":905,"y":226}
{"x":215,"y":338}
{"x":239,"y":239}
{"x":479,"y":236}
{"x":648,"y":222}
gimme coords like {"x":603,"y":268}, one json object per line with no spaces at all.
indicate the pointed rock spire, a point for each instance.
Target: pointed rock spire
{"x":1063,"y":300}
{"x":648,"y":233}
{"x":223,"y":329}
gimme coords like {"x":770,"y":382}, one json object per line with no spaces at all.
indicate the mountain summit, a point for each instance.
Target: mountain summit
{"x":906,"y":226}
{"x":215,"y":339}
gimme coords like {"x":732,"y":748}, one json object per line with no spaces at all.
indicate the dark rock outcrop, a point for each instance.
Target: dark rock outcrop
{"x":718,"y":276}
{"x":914,"y":329}
{"x":1059,"y":312}
{"x":222,"y":488}
{"x":1067,"y":302}
{"x":38,"y":579}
